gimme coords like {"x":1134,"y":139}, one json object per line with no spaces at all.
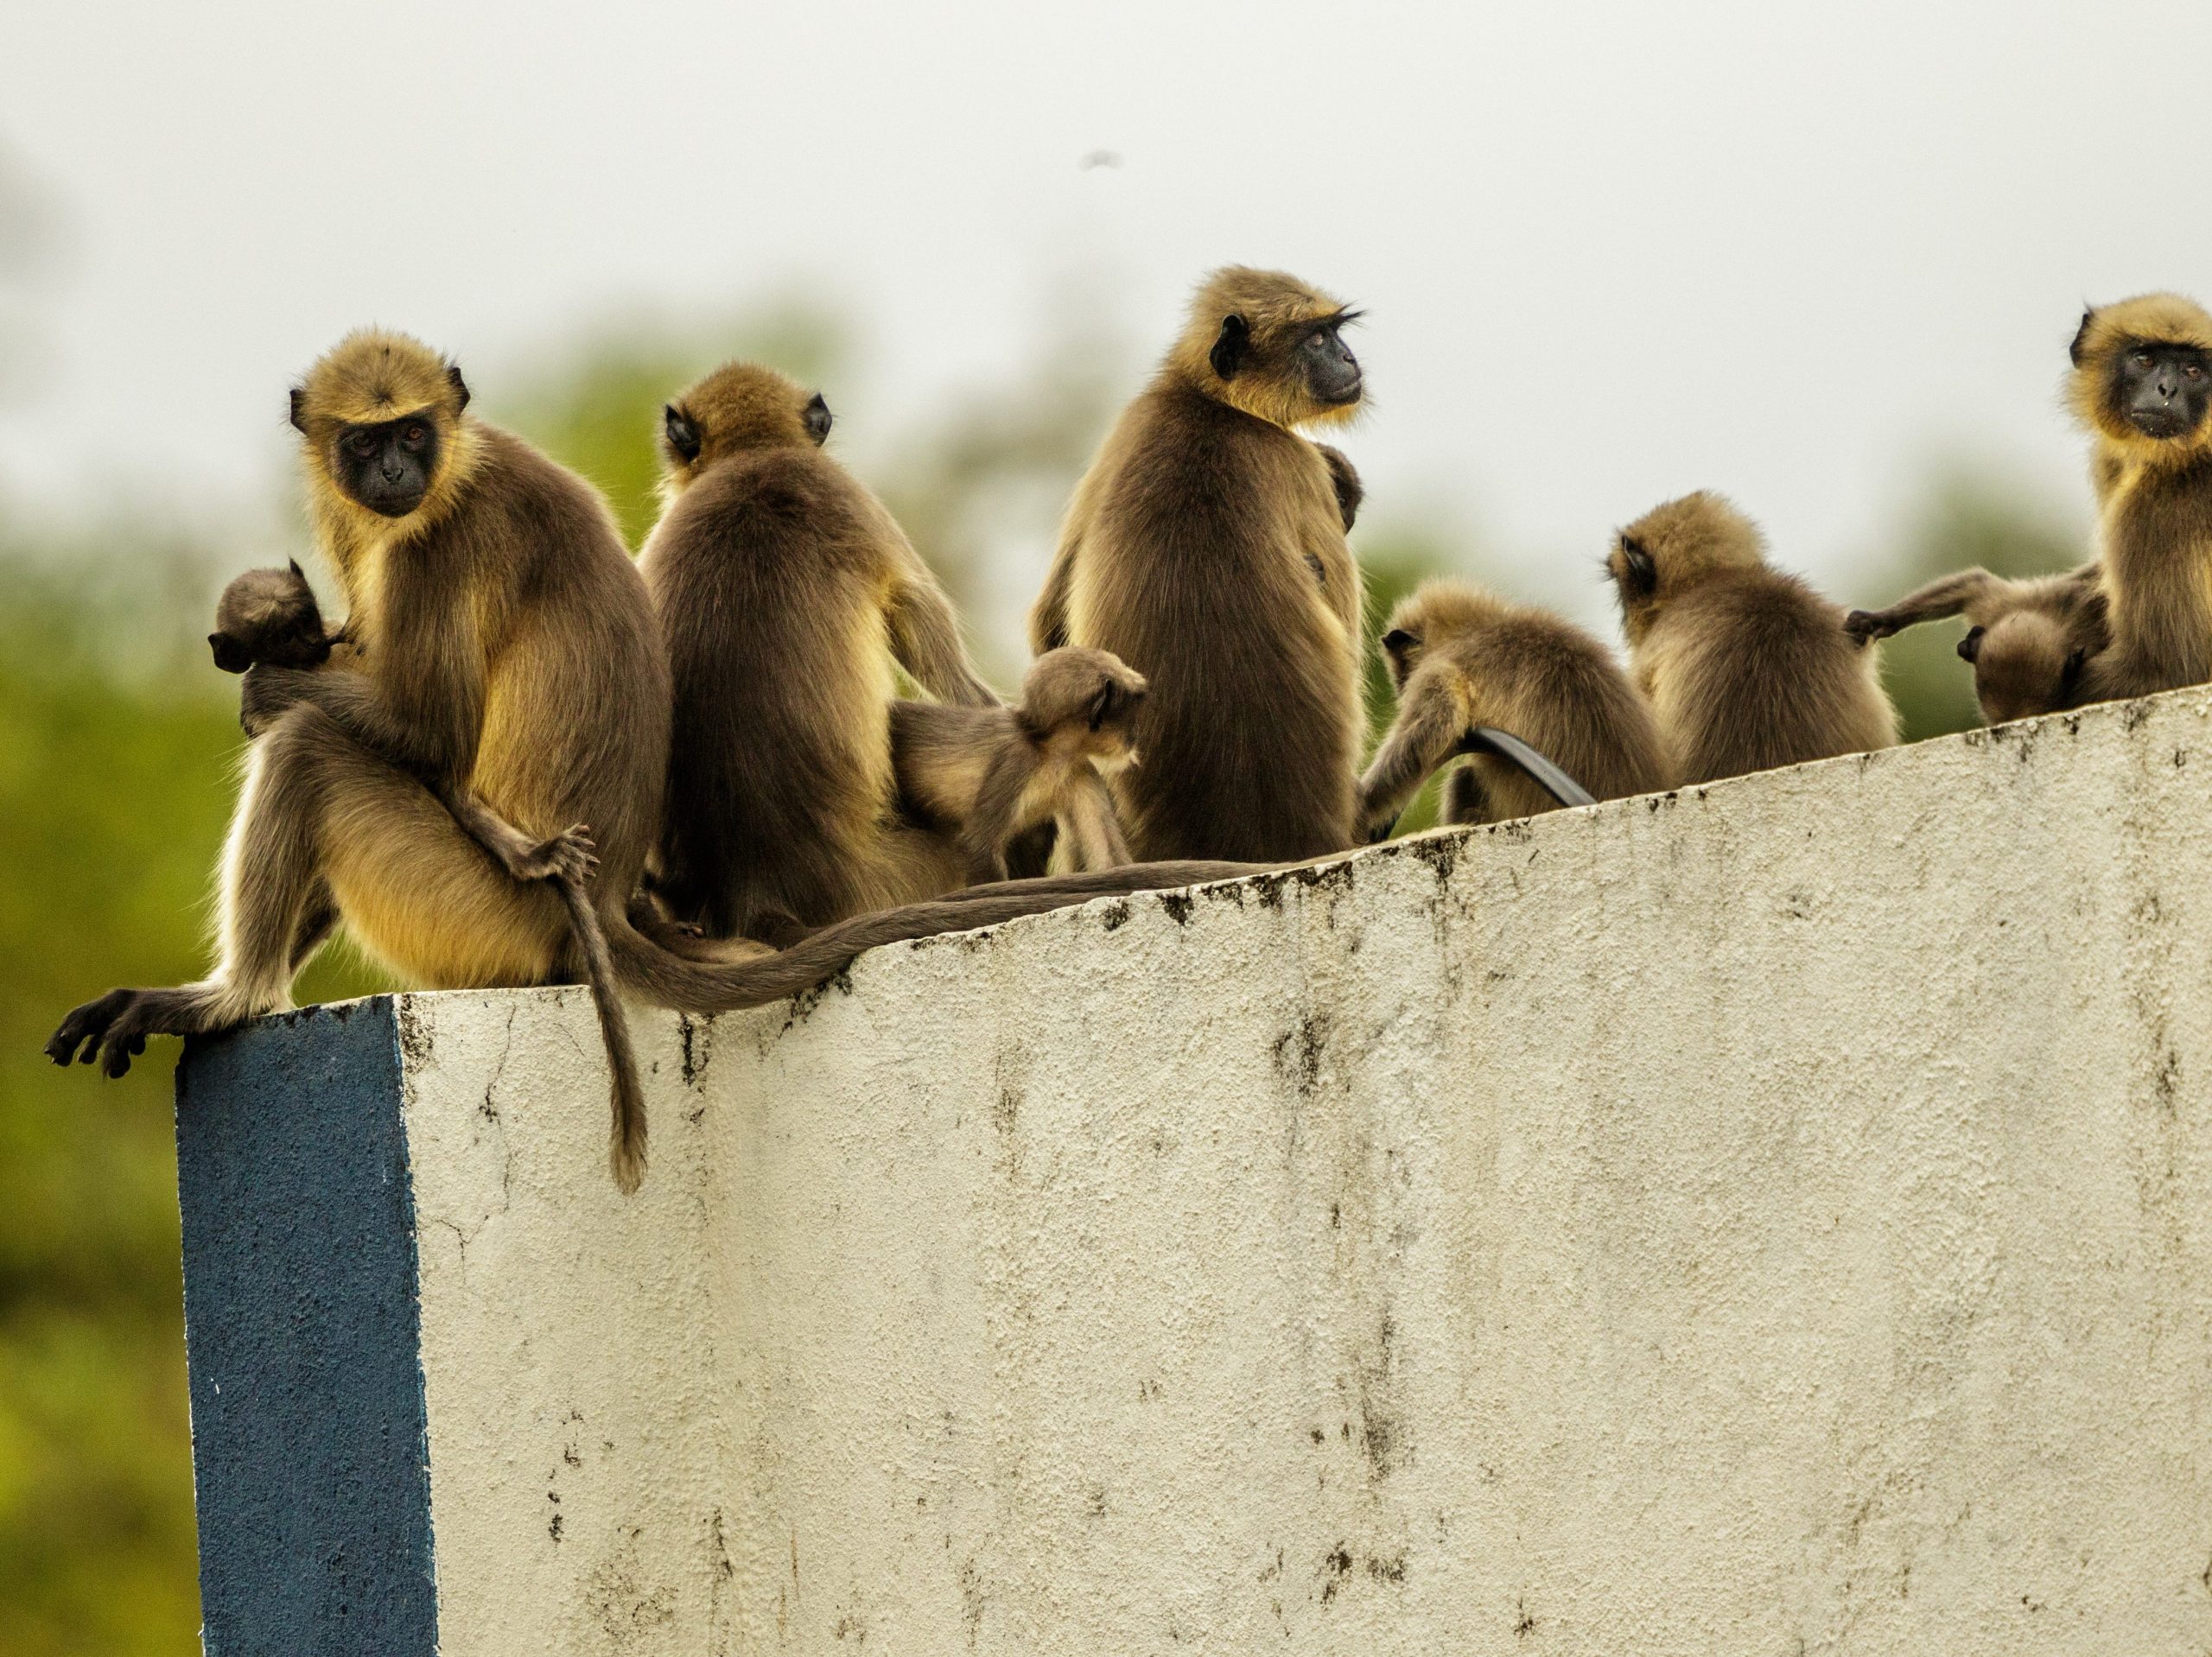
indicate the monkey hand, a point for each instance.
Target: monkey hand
{"x":568,"y":855}
{"x":1863,"y":625}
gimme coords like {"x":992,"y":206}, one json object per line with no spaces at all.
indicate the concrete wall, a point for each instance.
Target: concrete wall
{"x":1773,"y":1219}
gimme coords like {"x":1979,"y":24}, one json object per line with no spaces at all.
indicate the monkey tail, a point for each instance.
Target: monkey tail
{"x":767,"y":975}
{"x":626,"y":1147}
{"x":1486,"y":739}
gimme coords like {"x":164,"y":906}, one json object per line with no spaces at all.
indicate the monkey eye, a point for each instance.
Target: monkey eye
{"x":2194,"y":371}
{"x":413,"y":433}
{"x":363,"y":443}
{"x":2142,"y":359}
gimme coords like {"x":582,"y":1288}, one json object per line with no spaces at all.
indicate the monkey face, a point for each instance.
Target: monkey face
{"x":387,"y":467}
{"x":2160,"y":390}
{"x":1331,"y":371}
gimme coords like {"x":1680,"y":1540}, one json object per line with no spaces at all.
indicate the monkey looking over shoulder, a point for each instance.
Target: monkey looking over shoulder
{"x":1746,"y":668}
{"x":788,"y":596}
{"x":2140,"y":384}
{"x":1205,"y":548}
{"x":986,"y":775}
{"x":1463,"y":659}
{"x":269,"y":615}
{"x":2028,"y":640}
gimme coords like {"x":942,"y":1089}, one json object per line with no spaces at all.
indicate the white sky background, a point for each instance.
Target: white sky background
{"x":1610,"y":252}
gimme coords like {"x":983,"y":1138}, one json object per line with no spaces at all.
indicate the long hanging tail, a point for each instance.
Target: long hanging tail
{"x":1488,"y":739}
{"x":626,"y":1148}
{"x":768,"y":976}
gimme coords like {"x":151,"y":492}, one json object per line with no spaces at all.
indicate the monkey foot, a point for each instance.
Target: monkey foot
{"x":114,"y":1028}
{"x":568,"y":855}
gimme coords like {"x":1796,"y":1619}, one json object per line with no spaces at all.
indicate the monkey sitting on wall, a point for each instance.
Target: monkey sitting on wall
{"x":270,"y":615}
{"x":1746,"y":668}
{"x":1461,"y":659}
{"x":1205,"y":548}
{"x":2140,"y":384}
{"x":2028,"y":640}
{"x":788,"y":596}
{"x":984,"y":776}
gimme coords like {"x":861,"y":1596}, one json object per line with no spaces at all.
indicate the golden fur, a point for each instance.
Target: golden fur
{"x":1746,"y":668}
{"x":1206,"y":546}
{"x":1463,"y":658}
{"x":2154,"y":525}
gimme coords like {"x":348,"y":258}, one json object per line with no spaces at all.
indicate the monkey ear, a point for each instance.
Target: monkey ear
{"x":1398,"y":641}
{"x":460,"y":387}
{"x":299,"y":410}
{"x":230,"y":655}
{"x":1970,"y":647}
{"x":297,"y":573}
{"x":1229,"y":347}
{"x":682,"y":435}
{"x":1635,"y":559}
{"x":817,"y":419}
{"x":2081,"y":336}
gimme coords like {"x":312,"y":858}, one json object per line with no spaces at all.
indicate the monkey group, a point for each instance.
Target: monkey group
{"x":703,"y":778}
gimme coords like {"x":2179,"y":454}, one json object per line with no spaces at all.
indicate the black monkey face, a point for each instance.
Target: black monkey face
{"x":1331,"y":371}
{"x":387,"y":467}
{"x":2161,"y":390}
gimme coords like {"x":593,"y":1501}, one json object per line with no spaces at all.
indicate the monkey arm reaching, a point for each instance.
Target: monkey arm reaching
{"x":926,"y":639}
{"x":1426,"y":733}
{"x":1942,"y":598}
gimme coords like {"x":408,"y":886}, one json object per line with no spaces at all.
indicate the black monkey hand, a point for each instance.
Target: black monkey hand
{"x":1863,"y":625}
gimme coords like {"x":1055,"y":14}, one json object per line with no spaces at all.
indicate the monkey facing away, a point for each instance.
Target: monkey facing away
{"x":986,"y":775}
{"x":787,"y":595}
{"x":2140,"y":383}
{"x":269,"y":615}
{"x":1205,"y":548}
{"x":2028,"y":640}
{"x":1463,"y":659}
{"x":1746,"y":668}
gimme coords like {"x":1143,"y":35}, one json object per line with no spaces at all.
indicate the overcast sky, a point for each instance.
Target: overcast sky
{"x":1610,"y":252}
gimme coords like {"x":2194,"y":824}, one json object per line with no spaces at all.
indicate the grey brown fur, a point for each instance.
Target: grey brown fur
{"x":1746,"y":668}
{"x":983,"y":776}
{"x":1462,"y":657}
{"x":269,"y":615}
{"x":1206,"y":546}
{"x":2028,"y":639}
{"x":786,"y":593}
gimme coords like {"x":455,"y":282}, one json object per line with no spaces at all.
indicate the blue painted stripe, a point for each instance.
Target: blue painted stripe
{"x":309,"y":1447}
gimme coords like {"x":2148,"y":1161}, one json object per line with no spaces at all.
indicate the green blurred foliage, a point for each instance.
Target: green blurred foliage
{"x":117,"y":747}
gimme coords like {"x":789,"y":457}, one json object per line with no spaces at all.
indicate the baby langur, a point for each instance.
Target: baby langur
{"x":2028,"y":640}
{"x":1746,"y":668}
{"x":1462,"y":659}
{"x":987,"y":775}
{"x":269,"y":615}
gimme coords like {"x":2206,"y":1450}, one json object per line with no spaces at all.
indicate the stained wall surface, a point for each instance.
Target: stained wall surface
{"x":1773,"y":1218}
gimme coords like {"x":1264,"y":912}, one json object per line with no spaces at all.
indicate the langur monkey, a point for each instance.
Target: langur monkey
{"x":1463,"y":659}
{"x":2140,"y":383}
{"x":1205,"y":548}
{"x":985,"y":775}
{"x":2028,"y":640}
{"x":787,"y":595}
{"x":270,"y":615}
{"x":507,"y":667}
{"x":1746,"y":668}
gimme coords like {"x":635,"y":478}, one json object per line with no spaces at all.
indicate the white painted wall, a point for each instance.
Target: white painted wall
{"x":1776,"y":1219}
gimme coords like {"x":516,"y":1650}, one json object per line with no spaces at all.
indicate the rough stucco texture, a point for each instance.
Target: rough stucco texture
{"x":1775,"y":1219}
